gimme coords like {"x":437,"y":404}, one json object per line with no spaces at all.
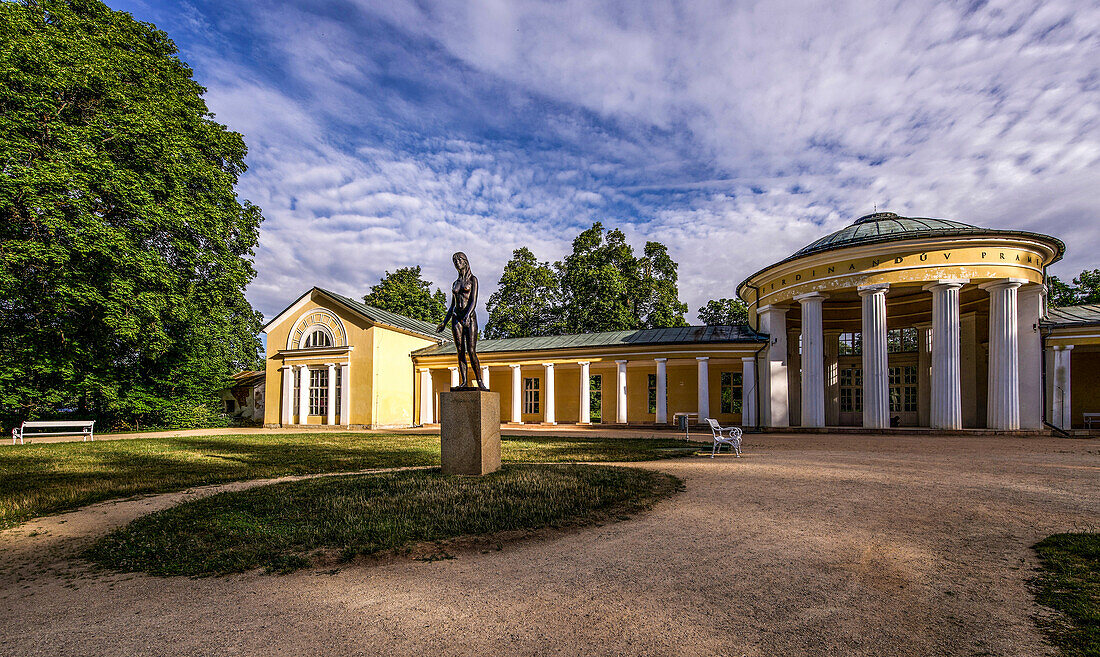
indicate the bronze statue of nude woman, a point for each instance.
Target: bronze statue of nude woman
{"x":463,"y":318}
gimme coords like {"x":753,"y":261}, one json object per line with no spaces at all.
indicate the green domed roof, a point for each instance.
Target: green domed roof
{"x":887,"y":227}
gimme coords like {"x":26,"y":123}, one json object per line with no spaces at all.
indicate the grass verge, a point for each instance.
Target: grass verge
{"x":281,"y":527}
{"x":37,"y":480}
{"x":1069,"y":583}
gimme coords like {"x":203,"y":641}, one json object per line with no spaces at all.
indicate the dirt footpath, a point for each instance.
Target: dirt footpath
{"x":809,"y":545}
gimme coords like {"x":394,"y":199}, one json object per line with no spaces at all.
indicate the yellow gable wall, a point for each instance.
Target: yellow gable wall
{"x":393,"y":383}
{"x":360,"y":358}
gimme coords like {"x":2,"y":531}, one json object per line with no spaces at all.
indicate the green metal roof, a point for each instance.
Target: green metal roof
{"x":1085,"y":314}
{"x":885,"y":227}
{"x":889,"y":227}
{"x":665,"y":336}
{"x":380,"y":316}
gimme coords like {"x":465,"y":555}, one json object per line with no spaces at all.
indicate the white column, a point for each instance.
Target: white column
{"x":1032,"y":300}
{"x":586,"y":410}
{"x":1003,"y":397}
{"x":1062,"y":400}
{"x":662,"y":388}
{"x":454,"y":376}
{"x":427,"y":410}
{"x":748,"y":391}
{"x":774,"y":400}
{"x":813,"y":360}
{"x":303,"y":394}
{"x":876,"y":385}
{"x":485,"y":375}
{"x":945,"y":411}
{"x":517,"y":394}
{"x":331,"y":406}
{"x":704,"y":387}
{"x":548,"y":404}
{"x":345,"y":394}
{"x":288,"y":395}
{"x":620,"y":390}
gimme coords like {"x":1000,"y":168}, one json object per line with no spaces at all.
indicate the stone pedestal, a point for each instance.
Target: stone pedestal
{"x":470,"y":431}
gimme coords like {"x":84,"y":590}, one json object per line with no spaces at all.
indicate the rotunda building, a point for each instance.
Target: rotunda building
{"x":904,"y":321}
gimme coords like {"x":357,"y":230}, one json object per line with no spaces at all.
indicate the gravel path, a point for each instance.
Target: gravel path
{"x":856,"y":545}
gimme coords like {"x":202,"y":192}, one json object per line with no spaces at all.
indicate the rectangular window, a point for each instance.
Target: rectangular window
{"x":296,"y":398}
{"x":851,"y":390}
{"x":901,"y":340}
{"x":903,"y":389}
{"x":731,"y":392}
{"x":318,"y":392}
{"x":652,"y":385}
{"x":595,"y":398}
{"x":531,"y":395}
{"x":339,"y":383}
{"x":851,"y":344}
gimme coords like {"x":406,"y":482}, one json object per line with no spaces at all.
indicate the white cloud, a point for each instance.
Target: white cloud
{"x":734,"y":132}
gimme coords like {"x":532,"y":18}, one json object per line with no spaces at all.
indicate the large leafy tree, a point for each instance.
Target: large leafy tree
{"x":658,"y":304}
{"x":1085,"y":289}
{"x":124,"y":250}
{"x":605,"y":287}
{"x":406,"y":292}
{"x":724,"y":312}
{"x":528,"y":300}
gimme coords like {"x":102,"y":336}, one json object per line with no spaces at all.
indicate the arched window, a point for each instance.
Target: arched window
{"x":318,"y":337}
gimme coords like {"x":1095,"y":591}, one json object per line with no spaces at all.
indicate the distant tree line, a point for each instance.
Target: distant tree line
{"x":1085,"y":288}
{"x":601,"y":285}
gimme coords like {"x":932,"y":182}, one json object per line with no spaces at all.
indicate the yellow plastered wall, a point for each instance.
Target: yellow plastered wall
{"x":392,"y":381}
{"x":567,"y":394}
{"x":683,"y":389}
{"x":1084,"y":385}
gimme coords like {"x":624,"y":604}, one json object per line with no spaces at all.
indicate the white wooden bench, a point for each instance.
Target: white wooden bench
{"x":76,"y":428}
{"x":1091,"y":418}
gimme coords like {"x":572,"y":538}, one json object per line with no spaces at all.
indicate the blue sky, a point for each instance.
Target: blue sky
{"x":389,"y":133}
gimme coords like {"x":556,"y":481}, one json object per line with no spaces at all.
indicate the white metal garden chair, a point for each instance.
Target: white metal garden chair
{"x":731,"y":437}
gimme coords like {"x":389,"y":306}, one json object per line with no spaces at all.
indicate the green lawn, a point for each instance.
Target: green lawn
{"x":37,"y":480}
{"x":1069,"y":583}
{"x":281,"y":526}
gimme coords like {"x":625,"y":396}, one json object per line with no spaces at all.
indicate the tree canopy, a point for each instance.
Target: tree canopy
{"x":124,"y":250}
{"x":405,"y":292}
{"x":605,"y":287}
{"x":528,"y":301}
{"x":600,"y":286}
{"x":724,"y":312}
{"x":1085,"y":289}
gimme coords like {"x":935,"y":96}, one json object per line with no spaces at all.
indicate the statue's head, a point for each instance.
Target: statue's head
{"x":462,"y":263}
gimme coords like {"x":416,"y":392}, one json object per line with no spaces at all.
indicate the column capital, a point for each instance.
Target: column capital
{"x":810,"y":296}
{"x":1032,"y":288}
{"x":702,"y":358}
{"x":748,"y":359}
{"x":771,"y":308}
{"x":286,"y":367}
{"x":1002,"y":283}
{"x":621,"y":362}
{"x":582,"y":363}
{"x":922,"y":325}
{"x":421,"y":369}
{"x":454,"y":368}
{"x":548,"y":366}
{"x":515,"y":366}
{"x":660,"y":360}
{"x":945,"y":283}
{"x":1067,"y":347}
{"x":865,"y":290}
